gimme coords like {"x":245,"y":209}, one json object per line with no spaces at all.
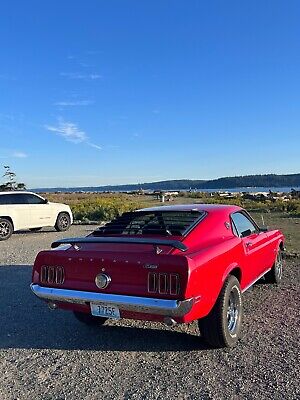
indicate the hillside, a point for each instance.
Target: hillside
{"x":266,"y":181}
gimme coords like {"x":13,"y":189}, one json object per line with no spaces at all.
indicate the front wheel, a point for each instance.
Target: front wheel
{"x":63,"y":222}
{"x":89,"y":319}
{"x":6,"y":229}
{"x":222,"y":326}
{"x":275,"y":274}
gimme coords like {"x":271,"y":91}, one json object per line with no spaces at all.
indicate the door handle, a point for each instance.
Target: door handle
{"x":249,"y":244}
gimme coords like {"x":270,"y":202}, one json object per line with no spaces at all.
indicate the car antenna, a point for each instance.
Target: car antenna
{"x":262,"y":219}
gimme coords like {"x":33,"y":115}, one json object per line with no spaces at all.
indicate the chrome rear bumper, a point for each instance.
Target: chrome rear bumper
{"x":148,"y":305}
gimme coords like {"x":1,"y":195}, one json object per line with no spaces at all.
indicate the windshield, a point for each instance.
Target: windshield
{"x":177,"y":223}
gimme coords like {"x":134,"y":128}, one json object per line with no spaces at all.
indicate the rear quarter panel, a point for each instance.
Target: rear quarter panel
{"x":208,"y":269}
{"x":57,"y":208}
{"x":17,"y":213}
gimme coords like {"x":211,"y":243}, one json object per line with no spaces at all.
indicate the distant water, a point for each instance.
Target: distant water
{"x":231,"y":190}
{"x":251,"y":189}
{"x":285,"y":189}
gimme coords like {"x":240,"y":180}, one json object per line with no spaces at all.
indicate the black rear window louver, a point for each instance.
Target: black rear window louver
{"x":177,"y":223}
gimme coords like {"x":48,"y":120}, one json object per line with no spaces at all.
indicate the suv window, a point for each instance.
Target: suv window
{"x":242,"y":225}
{"x":20,"y":198}
{"x":32,"y":199}
{"x":5,"y":199}
{"x":16,"y":198}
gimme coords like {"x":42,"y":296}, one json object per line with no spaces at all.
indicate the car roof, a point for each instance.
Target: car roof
{"x":195,"y":207}
{"x":18,"y":192}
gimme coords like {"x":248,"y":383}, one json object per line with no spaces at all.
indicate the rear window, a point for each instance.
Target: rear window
{"x":177,"y":223}
{"x":3,"y":199}
{"x":12,"y":199}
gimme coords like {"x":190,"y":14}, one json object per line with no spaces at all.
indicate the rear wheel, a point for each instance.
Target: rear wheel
{"x":275,"y":274}
{"x":6,"y":229}
{"x":63,"y":222}
{"x":222,"y":326}
{"x":89,"y":319}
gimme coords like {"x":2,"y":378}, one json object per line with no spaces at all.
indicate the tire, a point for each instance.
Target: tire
{"x":35,"y":229}
{"x":6,"y":229}
{"x":88,"y":319}
{"x":63,"y":222}
{"x":275,"y":274}
{"x":222,"y":326}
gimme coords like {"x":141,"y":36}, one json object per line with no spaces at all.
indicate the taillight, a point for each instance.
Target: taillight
{"x":163,"y":283}
{"x":152,"y":282}
{"x":174,"y":284}
{"x":51,"y":274}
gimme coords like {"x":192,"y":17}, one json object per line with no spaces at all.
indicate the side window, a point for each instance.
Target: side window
{"x":5,"y":199}
{"x":16,"y":198}
{"x":242,"y":225}
{"x":32,"y":199}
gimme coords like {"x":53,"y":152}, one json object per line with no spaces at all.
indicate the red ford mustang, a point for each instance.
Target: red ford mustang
{"x":173,"y":264}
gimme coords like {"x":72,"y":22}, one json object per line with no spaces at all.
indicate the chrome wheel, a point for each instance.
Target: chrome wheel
{"x":6,"y":229}
{"x":233,"y":309}
{"x":64,"y":221}
{"x":276,"y":272}
{"x":279,"y":265}
{"x":222,"y":326}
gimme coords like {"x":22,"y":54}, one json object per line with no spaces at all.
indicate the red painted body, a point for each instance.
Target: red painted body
{"x":214,"y":252}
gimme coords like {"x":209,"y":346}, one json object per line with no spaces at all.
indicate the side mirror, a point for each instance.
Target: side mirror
{"x":246,"y":233}
{"x":46,"y":201}
{"x":263,"y":229}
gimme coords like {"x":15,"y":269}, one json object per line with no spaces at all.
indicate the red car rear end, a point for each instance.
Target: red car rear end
{"x":169,"y":264}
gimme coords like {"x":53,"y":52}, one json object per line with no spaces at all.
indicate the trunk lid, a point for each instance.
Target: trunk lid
{"x":127,"y":266}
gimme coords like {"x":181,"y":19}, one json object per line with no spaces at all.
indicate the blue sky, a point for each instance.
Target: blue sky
{"x":106,"y":92}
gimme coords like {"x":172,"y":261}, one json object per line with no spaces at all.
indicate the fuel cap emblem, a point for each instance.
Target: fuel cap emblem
{"x":102,"y":281}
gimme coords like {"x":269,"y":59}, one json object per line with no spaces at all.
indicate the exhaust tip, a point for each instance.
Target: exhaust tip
{"x":52,"y":305}
{"x":169,"y":321}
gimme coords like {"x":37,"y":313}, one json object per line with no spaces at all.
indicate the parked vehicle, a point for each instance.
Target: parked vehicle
{"x":26,"y":210}
{"x":172,"y":264}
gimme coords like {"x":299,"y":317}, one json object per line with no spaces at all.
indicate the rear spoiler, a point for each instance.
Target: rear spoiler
{"x":121,"y":240}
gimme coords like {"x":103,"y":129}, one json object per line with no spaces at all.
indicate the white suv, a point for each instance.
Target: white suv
{"x":26,"y":210}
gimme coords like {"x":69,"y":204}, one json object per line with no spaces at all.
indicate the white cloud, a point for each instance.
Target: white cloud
{"x":71,"y":132}
{"x":96,"y":146}
{"x":6,"y":154}
{"x":74,"y":103}
{"x":78,"y":75}
{"x":19,"y":154}
{"x":68,"y":131}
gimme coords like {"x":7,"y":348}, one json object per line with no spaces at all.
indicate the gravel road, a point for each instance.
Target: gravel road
{"x":49,"y":355}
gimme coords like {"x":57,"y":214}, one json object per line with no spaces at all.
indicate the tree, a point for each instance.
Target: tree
{"x":10,"y":181}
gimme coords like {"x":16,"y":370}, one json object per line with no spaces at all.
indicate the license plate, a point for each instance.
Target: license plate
{"x":105,"y":310}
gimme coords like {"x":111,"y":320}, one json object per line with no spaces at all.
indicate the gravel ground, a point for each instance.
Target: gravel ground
{"x":49,"y":355}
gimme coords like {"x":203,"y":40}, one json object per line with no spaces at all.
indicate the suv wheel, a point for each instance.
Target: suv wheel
{"x":222,"y":326}
{"x":6,"y":229}
{"x":63,"y":222}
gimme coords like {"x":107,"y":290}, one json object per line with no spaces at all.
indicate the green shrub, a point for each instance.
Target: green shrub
{"x":101,"y":209}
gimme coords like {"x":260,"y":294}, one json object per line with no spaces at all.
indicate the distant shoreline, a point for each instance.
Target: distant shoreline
{"x":230,"y":190}
{"x":237,"y":183}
